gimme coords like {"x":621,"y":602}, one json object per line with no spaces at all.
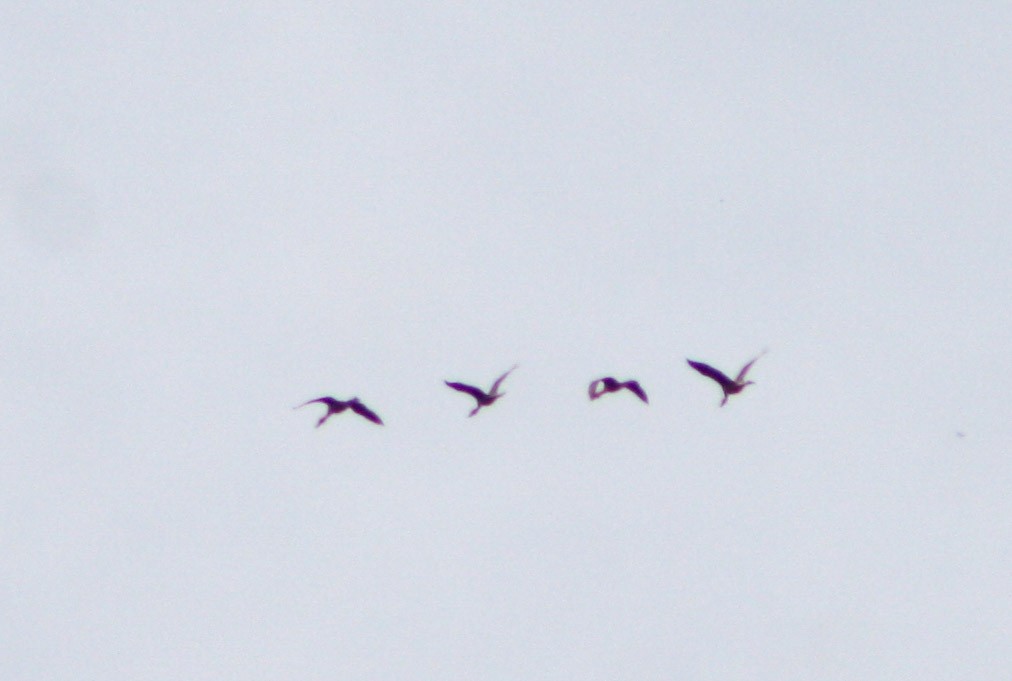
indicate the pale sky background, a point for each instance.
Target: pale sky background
{"x":208,"y":216}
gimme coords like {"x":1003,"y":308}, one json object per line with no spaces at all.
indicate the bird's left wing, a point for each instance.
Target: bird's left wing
{"x":476,"y":393}
{"x":710,"y":372}
{"x":329,"y":401}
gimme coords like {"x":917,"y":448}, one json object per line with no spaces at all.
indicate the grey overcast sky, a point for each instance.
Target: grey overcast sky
{"x":210,"y":215}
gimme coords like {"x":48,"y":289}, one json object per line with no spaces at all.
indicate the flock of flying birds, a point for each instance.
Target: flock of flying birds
{"x":597,"y":388}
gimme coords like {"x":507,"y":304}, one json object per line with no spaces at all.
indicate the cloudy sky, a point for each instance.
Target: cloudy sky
{"x":209,"y":216}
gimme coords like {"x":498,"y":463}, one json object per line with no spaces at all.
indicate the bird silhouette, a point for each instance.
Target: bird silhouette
{"x":610,"y":385}
{"x":728,"y":385}
{"x":337,"y":406}
{"x":484,"y":399}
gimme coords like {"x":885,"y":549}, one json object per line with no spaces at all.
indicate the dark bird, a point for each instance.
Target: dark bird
{"x":483,"y":398}
{"x":610,"y":385}
{"x":729,"y":386}
{"x":337,"y":406}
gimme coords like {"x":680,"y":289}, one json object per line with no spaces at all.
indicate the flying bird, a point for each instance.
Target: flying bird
{"x":610,"y":385}
{"x":729,"y":386}
{"x":337,"y":406}
{"x":483,"y":398}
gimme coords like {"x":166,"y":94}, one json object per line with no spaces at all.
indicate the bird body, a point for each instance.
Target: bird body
{"x":730,"y":386}
{"x":484,"y":399}
{"x":337,"y":406}
{"x":610,"y":385}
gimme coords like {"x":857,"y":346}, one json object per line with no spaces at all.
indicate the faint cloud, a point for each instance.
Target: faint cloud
{"x":41,"y":199}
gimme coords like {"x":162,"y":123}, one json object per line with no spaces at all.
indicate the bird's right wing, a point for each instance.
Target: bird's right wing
{"x":744,"y":369}
{"x":366,"y":412}
{"x":634,"y":387}
{"x":592,"y":391}
{"x":498,"y":381}
{"x":476,"y":393}
{"x":710,"y":372}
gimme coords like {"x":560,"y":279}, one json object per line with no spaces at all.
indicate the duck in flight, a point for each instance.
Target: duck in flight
{"x":337,"y":406}
{"x":483,"y":398}
{"x":728,"y":385}
{"x":610,"y":385}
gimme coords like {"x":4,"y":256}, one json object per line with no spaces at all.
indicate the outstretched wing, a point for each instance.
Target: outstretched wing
{"x":591,"y":389}
{"x":366,"y":412}
{"x":710,"y":372}
{"x":329,"y":401}
{"x":634,"y":387}
{"x":744,"y":369}
{"x":476,"y":393}
{"x":498,"y":381}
